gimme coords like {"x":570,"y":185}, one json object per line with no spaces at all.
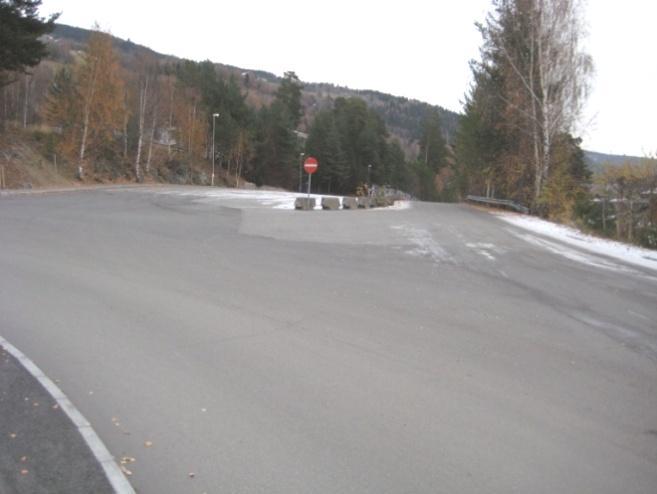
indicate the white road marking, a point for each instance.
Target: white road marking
{"x":483,"y":248}
{"x":424,"y":243}
{"x":98,"y":448}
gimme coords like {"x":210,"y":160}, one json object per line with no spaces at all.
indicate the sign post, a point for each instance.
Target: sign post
{"x":310,"y":165}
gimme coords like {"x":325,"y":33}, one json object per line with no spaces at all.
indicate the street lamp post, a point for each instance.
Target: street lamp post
{"x":214,"y":116}
{"x":301,"y":155}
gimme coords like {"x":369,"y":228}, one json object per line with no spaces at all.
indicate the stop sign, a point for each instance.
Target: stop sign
{"x":310,"y":165}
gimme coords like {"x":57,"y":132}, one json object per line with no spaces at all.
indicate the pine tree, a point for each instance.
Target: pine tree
{"x":432,"y":142}
{"x":20,"y":31}
{"x":289,"y":94}
{"x":324,"y":144}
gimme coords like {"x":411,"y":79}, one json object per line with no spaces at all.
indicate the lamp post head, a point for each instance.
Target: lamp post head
{"x":215,"y":115}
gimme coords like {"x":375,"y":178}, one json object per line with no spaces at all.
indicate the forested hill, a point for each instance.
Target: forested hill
{"x":597,"y":161}
{"x":403,"y":116}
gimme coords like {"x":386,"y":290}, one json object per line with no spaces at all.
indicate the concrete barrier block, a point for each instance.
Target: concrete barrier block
{"x":304,"y":203}
{"x":349,"y":203}
{"x":383,"y":202}
{"x":330,"y":203}
{"x":364,"y":202}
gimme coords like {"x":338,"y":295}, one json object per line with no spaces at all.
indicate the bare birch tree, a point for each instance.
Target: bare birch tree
{"x":100,"y":83}
{"x":549,"y":67}
{"x":143,"y":99}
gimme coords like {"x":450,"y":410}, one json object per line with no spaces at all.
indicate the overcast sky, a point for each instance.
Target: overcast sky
{"x":414,"y":48}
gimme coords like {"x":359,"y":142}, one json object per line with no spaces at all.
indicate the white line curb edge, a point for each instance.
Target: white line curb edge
{"x":114,"y":474}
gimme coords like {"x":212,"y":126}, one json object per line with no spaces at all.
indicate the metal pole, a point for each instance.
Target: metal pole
{"x":301,"y":155}
{"x":310,"y":177}
{"x":214,"y":115}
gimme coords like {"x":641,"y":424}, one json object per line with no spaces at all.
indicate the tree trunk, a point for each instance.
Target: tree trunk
{"x":538,"y":169}
{"x":4,"y":112}
{"x":618,"y":221}
{"x":191,"y":142}
{"x":83,"y":143}
{"x":85,"y":125}
{"x":26,"y":100}
{"x":169,"y":130}
{"x":125,"y":136}
{"x":143,"y":95}
{"x":150,"y":142}
{"x":630,"y":221}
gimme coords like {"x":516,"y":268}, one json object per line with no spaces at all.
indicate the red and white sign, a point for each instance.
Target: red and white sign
{"x":310,"y":165}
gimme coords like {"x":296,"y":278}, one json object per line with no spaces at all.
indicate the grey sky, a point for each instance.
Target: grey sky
{"x":419,"y":49}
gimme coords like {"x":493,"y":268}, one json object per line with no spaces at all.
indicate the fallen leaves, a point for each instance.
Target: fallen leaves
{"x":148,"y":444}
{"x":126,"y":460}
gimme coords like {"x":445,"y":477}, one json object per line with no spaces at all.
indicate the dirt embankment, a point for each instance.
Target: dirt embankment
{"x":23,"y":164}
{"x":28,"y":161}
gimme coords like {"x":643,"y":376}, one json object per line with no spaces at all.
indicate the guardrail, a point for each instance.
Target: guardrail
{"x":499,"y":202}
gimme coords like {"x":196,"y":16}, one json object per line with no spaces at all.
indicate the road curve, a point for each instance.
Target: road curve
{"x":231,"y":347}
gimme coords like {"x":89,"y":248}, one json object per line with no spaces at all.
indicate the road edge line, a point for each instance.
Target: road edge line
{"x":112,"y":471}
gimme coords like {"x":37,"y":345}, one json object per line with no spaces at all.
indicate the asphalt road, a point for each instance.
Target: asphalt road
{"x":427,"y":350}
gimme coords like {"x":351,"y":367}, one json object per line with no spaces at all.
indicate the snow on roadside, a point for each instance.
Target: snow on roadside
{"x":263,"y":198}
{"x":628,"y":253}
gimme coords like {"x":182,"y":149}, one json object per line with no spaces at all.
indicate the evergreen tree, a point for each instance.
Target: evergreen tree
{"x":432,"y":142}
{"x":20,"y":31}
{"x":398,"y":172}
{"x":289,"y":94}
{"x":276,"y":147}
{"x":324,"y":144}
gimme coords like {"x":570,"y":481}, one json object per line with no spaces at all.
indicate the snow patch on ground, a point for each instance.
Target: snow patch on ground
{"x":571,"y":254}
{"x":262,"y":198}
{"x":609,"y":248}
{"x":423,"y":243}
{"x":483,"y":249}
{"x":397,"y":206}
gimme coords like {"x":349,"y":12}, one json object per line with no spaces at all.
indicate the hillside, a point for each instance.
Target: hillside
{"x":597,"y":161}
{"x":402,"y":116}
